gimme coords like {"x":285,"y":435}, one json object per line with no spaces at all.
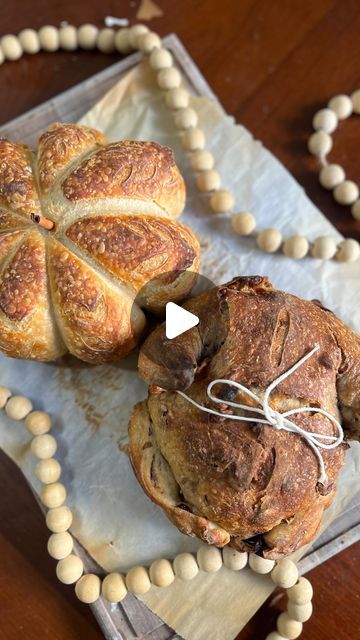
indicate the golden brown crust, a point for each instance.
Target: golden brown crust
{"x":132,"y":170}
{"x":10,"y":221}
{"x":139,"y":250}
{"x":7,"y":242}
{"x":27,"y":330}
{"x":17,"y":185}
{"x":112,"y":251}
{"x":60,"y":145}
{"x":98,"y":322}
{"x":258,"y":484}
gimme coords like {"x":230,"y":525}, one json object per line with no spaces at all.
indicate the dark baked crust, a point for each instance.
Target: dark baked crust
{"x":258,"y":484}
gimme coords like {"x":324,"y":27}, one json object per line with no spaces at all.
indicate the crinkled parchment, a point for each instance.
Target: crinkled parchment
{"x":113,"y":518}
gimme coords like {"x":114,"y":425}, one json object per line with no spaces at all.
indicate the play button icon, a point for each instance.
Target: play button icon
{"x":178,"y":320}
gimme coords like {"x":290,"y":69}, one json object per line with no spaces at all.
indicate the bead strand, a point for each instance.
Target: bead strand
{"x":332,"y":176}
{"x":177,"y":98}
{"x":162,"y":572}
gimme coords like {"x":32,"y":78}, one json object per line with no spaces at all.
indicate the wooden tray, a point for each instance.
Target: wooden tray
{"x":132,"y":619}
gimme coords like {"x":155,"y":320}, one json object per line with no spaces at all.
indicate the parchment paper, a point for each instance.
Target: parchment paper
{"x":113,"y":519}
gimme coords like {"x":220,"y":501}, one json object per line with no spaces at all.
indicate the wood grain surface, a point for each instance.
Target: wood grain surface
{"x":272,"y":64}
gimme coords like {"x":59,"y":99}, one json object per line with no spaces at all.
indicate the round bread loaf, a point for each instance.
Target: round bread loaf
{"x":111,"y":233}
{"x":226,"y":480}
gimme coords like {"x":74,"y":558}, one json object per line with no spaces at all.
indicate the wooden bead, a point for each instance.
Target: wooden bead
{"x":301,"y":592}
{"x":295,"y":247}
{"x":122,"y":41}
{"x":49,"y":38}
{"x":18,"y":407}
{"x":38,"y":422}
{"x":169,"y":78}
{"x":221,"y":201}
{"x":202,"y":160}
{"x":68,"y":38}
{"x":186,"y":118}
{"x":177,"y":98}
{"x":290,"y":629}
{"x":342,"y":105}
{"x":346,"y":192}
{"x":48,"y":471}
{"x":355,"y":210}
{"x":137,"y":580}
{"x":331,"y":175}
{"x":161,"y":573}
{"x":5,"y":394}
{"x":106,"y":40}
{"x":59,"y":519}
{"x":274,"y":635}
{"x":243,"y":223}
{"x":324,"y":248}
{"x":320,"y":143}
{"x":209,"y":559}
{"x":134,"y":33}
{"x":260,"y":565}
{"x":325,"y":119}
{"x":113,"y":587}
{"x":160,"y":59}
{"x":193,"y":139}
{"x":11,"y":47}
{"x":53,"y":495}
{"x":348,"y":250}
{"x":60,"y":545}
{"x":285,"y":574}
{"x":69,"y":569}
{"x":208,"y":180}
{"x":88,"y":588}
{"x":148,"y":42}
{"x":87,"y":36}
{"x":43,"y":446}
{"x":300,"y":612}
{"x":233,"y":559}
{"x":269,"y":240}
{"x":185,"y":566}
{"x":29,"y":41}
{"x":355,"y":99}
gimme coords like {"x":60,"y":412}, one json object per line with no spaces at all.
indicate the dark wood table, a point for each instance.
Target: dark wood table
{"x":272,"y":64}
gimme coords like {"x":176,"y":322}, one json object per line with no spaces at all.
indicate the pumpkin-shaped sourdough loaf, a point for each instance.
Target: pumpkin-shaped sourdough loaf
{"x":112,"y":209}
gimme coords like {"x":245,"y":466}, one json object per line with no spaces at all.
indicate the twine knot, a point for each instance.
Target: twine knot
{"x":280,"y":421}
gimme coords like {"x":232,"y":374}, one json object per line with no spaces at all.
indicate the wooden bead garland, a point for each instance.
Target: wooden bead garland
{"x":124,"y":40}
{"x":43,"y":446}
{"x":113,"y":587}
{"x":162,"y":572}
{"x":332,"y":176}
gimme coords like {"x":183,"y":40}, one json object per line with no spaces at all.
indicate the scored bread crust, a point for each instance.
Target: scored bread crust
{"x":257,"y":484}
{"x":116,"y":247}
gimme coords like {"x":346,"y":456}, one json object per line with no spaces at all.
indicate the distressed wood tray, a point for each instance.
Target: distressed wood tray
{"x":131,"y":619}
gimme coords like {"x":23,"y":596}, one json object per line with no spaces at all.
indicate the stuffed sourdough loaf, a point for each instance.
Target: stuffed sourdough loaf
{"x":113,"y":206}
{"x":244,"y":482}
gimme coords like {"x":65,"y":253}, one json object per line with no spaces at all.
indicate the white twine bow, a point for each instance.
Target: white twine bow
{"x":275,"y":419}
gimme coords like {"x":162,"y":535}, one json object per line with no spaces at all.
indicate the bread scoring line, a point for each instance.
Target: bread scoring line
{"x":274,"y":418}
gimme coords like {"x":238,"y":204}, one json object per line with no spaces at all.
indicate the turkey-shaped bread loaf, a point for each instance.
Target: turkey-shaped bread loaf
{"x":246,"y":483}
{"x":84,"y":227}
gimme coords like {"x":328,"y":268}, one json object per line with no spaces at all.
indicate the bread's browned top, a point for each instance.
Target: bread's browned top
{"x":133,"y":248}
{"x":113,"y":208}
{"x":17,"y":185}
{"x":129,"y":169}
{"x":258,"y":484}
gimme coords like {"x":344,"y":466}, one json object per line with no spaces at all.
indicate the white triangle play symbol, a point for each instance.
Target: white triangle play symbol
{"x":178,"y":320}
